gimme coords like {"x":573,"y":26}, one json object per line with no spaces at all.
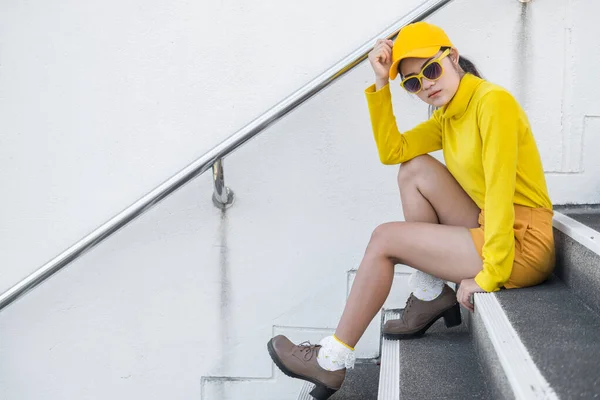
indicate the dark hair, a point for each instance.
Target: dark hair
{"x":466,"y":64}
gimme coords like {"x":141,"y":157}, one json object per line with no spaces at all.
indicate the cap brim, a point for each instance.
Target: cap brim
{"x":425,"y":52}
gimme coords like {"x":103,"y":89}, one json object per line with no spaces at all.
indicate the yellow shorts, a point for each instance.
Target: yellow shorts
{"x":534,"y":246}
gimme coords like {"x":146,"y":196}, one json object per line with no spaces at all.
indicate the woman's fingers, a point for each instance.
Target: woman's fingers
{"x":381,"y":57}
{"x":388,"y":52}
{"x":385,"y":54}
{"x":469,"y":306}
{"x":463,"y":298}
{"x":384,"y":43}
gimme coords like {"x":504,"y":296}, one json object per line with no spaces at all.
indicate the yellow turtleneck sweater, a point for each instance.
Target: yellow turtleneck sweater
{"x":488,"y":147}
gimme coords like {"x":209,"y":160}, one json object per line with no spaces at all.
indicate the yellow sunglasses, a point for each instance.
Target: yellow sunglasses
{"x":432,"y":71}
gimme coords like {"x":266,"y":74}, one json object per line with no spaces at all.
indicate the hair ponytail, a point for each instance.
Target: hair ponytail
{"x":468,"y":66}
{"x":465,"y":64}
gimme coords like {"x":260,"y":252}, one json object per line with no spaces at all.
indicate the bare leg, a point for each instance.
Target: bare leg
{"x":429,"y":194}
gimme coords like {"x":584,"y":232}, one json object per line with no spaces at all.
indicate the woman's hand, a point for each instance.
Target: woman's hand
{"x":381,"y":60}
{"x":466,"y":289}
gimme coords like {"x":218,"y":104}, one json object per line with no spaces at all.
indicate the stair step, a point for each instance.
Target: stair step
{"x":360,"y":384}
{"x":578,"y":255}
{"x":389,"y":376}
{"x":505,"y":360}
{"x":589,"y":215}
{"x":560,"y":335}
{"x":441,"y":364}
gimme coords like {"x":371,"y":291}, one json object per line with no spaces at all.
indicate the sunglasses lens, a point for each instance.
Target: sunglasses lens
{"x":412,"y":85}
{"x":433,"y":71}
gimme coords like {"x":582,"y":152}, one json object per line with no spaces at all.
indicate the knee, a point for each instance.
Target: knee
{"x":411,"y":170}
{"x":380,"y":240}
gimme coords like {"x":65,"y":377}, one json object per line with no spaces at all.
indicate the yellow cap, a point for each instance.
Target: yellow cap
{"x":421,"y":39}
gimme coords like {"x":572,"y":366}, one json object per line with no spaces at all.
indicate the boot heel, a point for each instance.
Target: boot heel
{"x":321,"y":392}
{"x":452,"y":317}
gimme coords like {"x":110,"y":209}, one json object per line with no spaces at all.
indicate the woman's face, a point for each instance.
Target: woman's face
{"x":436,"y":93}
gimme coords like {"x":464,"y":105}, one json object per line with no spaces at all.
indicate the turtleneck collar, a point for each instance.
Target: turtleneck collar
{"x":459,"y":103}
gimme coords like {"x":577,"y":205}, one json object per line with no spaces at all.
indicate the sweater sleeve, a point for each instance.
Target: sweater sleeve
{"x":498,"y":118}
{"x":393,"y":146}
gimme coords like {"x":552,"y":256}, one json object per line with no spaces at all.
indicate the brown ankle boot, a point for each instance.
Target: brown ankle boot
{"x":301,"y":362}
{"x":419,"y":315}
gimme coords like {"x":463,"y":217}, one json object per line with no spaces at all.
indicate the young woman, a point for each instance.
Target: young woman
{"x":483,"y":221}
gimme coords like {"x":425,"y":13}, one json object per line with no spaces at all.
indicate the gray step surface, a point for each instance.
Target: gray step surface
{"x":588,"y":215}
{"x":577,"y":251}
{"x":562,"y":335}
{"x":497,"y":381}
{"x":361,"y":383}
{"x":442,"y":364}
{"x":579,"y":268}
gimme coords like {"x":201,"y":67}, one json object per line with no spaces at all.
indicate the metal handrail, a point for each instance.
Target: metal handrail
{"x":222,"y":195}
{"x":215,"y":155}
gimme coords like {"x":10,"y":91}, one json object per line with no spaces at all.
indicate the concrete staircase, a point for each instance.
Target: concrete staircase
{"x":535,"y":343}
{"x":311,"y":321}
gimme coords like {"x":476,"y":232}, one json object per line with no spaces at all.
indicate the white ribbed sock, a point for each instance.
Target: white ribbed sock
{"x":335,"y":354}
{"x":425,"y":287}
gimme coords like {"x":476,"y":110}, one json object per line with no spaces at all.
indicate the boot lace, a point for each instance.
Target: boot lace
{"x":308,"y":350}
{"x":409,"y":303}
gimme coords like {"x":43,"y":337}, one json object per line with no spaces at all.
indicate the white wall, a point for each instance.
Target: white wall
{"x":101,"y":102}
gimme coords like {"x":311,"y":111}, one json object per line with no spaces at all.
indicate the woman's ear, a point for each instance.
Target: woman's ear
{"x":454,"y":56}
